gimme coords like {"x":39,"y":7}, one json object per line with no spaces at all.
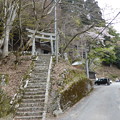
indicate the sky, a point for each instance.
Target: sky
{"x":110,"y":9}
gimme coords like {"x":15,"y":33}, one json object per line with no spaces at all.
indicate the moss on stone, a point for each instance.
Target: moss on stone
{"x":26,"y":75}
{"x":76,"y":86}
{"x":5,"y":107}
{"x":74,"y":93}
{"x":6,"y":78}
{"x":71,"y":76}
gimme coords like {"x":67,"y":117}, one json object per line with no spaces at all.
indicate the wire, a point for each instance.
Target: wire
{"x":107,"y":26}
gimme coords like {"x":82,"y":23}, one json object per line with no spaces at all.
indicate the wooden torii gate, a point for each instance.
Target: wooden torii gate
{"x":42,"y":35}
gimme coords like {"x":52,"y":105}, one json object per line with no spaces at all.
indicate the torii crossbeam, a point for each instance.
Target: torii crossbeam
{"x":42,"y":35}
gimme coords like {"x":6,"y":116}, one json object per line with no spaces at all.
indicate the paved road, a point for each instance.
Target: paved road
{"x":102,"y":104}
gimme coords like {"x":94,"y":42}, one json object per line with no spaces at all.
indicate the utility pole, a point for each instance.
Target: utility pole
{"x":56,"y":33}
{"x":86,"y":62}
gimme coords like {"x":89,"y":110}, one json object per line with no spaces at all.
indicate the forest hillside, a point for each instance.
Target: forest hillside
{"x":70,"y":31}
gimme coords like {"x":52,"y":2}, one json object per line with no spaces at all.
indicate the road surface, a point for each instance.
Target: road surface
{"x":102,"y":104}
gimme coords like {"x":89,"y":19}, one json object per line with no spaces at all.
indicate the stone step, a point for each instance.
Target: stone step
{"x":28,"y":100}
{"x":33,"y":96}
{"x":30,"y":109}
{"x":39,"y":117}
{"x":36,"y":85}
{"x":43,"y":58}
{"x":29,"y":113}
{"x":41,"y":67}
{"x":39,"y":71}
{"x":38,"y":75}
{"x":40,"y":83}
{"x":44,"y":61}
{"x":32,"y":104}
{"x":34,"y":92}
{"x":35,"y":89}
{"x":33,"y":101}
{"x":38,"y":80}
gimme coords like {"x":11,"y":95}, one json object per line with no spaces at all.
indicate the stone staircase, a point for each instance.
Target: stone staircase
{"x":33,"y":100}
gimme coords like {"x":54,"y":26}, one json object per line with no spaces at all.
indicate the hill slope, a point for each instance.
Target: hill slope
{"x":110,"y":72}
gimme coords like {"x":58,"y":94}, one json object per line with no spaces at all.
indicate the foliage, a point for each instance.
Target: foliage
{"x":108,"y":58}
{"x":106,"y":55}
{"x":5,"y":107}
{"x":77,"y":21}
{"x":115,"y":34}
{"x":73,"y":75}
{"x":116,"y":40}
{"x":117,"y":53}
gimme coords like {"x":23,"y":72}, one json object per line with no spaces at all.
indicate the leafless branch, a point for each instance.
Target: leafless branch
{"x":76,"y":36}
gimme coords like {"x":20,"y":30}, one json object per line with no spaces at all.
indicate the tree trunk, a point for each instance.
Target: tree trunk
{"x":6,"y":41}
{"x":9,"y":17}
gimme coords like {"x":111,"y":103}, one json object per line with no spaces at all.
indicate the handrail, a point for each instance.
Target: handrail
{"x":47,"y":89}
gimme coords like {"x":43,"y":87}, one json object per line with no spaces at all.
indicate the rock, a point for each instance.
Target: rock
{"x":17,"y":105}
{"x":57,"y":112}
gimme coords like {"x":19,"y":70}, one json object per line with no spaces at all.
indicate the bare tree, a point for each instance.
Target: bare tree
{"x":12,"y":8}
{"x":10,"y":11}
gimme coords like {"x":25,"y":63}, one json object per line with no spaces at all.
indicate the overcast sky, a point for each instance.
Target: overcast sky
{"x":110,"y":8}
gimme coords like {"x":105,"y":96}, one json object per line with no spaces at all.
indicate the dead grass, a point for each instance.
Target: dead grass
{"x":110,"y":72}
{"x":58,"y":72}
{"x":15,"y":73}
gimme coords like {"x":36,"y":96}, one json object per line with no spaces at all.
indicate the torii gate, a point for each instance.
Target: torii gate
{"x":42,"y":35}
